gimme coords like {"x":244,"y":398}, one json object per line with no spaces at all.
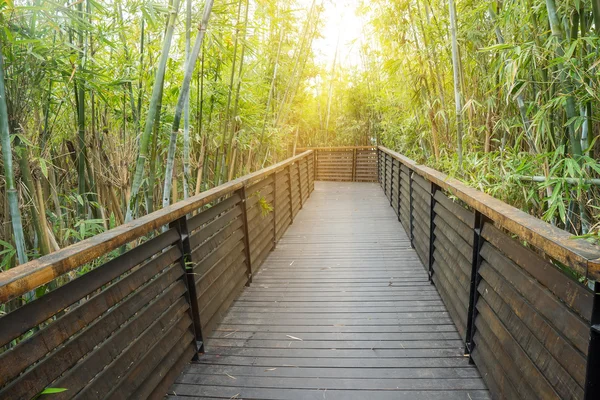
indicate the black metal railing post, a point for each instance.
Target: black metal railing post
{"x":247,"y":251}
{"x":434,"y":188}
{"x":411,"y":217}
{"x":289,"y":172}
{"x":190,"y":282}
{"x":399,"y":200}
{"x":385,"y":173}
{"x":592,"y":383}
{"x":353,"y":165}
{"x":476,"y":260}
{"x":392,"y":182}
{"x":298,"y":164}
{"x":275,"y":208}
{"x":379,"y":165}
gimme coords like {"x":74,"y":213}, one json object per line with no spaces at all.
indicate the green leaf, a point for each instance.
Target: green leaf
{"x":53,"y":390}
{"x":44,"y":167}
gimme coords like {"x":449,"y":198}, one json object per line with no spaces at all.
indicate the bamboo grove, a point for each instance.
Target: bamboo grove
{"x":111,"y":110}
{"x":104,"y":120}
{"x":501,"y":94}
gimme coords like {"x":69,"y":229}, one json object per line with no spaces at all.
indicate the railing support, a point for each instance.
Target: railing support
{"x":432,"y":191}
{"x":353,"y":165}
{"x":275,"y":210}
{"x":476,"y":260}
{"x":385,"y":173}
{"x":299,"y":183}
{"x":379,"y":166}
{"x":289,"y":172}
{"x":243,"y":203}
{"x":392,"y":183}
{"x":399,"y":198}
{"x":190,"y":282}
{"x":592,"y":384}
{"x":411,"y":218}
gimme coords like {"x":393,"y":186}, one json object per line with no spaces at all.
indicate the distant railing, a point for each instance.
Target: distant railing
{"x":345,"y":164}
{"x":126,"y":328}
{"x":532,"y":329}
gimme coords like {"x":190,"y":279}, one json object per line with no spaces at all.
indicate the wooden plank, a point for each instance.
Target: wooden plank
{"x":32,"y":349}
{"x":451,"y":252}
{"x":552,"y":370}
{"x":492,"y":373}
{"x":569,"y":357}
{"x":342,"y":302}
{"x":566,"y":289}
{"x":450,"y":219}
{"x":34,"y":313}
{"x":26,"y":277}
{"x":179,"y":336}
{"x":457,"y":241}
{"x":466,"y":216}
{"x":581,"y":256}
{"x":203,"y":217}
{"x":162,"y":388}
{"x":35,"y":380}
{"x":487,"y":321}
{"x":109,"y":362}
{"x":567,"y":322}
{"x":216,"y":234}
{"x":224,"y":248}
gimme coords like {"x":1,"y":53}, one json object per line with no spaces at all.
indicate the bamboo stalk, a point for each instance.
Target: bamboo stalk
{"x":183,"y":94}
{"x":147,"y":133}
{"x":9,"y":176}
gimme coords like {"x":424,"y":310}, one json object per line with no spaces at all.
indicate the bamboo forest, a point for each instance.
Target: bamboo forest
{"x":110,"y":110}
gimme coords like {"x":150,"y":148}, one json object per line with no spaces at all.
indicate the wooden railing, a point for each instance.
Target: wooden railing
{"x":531,"y":328}
{"x":127,"y":327}
{"x":345,"y":164}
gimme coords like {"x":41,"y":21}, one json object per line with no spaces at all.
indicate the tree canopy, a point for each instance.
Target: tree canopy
{"x":113,"y":109}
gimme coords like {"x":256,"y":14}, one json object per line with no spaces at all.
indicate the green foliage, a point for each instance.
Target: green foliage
{"x":265,"y":206}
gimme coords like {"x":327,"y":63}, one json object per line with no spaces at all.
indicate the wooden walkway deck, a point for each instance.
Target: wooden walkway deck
{"x":342,"y":309}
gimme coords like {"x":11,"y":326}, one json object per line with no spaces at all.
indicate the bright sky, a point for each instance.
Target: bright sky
{"x":340,"y":21}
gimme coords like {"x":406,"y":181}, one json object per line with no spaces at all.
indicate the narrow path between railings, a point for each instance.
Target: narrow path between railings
{"x":342,"y":309}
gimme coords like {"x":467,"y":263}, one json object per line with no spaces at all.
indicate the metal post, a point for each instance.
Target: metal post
{"x":476,"y":260}
{"x":592,"y":384}
{"x":391,"y":182}
{"x":399,"y":190}
{"x":379,"y":166}
{"x":315,"y":160}
{"x":353,"y":165}
{"x":385,"y":173}
{"x":289,"y":170}
{"x":433,"y":190}
{"x":300,"y":184}
{"x":274,"y":210}
{"x":242,"y":204}
{"x":190,"y":282}
{"x":410,"y":209}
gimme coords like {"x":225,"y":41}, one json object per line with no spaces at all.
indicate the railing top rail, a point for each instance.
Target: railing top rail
{"x":338,"y":148}
{"x":578,"y":254}
{"x":26,"y":277}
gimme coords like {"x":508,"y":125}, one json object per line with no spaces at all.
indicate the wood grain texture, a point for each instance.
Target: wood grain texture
{"x":342,"y":308}
{"x":582,"y":256}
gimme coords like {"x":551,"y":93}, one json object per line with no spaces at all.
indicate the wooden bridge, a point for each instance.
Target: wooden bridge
{"x":383,"y":279}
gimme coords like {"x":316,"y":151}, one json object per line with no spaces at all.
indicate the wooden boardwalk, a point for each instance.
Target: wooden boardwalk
{"x":342,"y":309}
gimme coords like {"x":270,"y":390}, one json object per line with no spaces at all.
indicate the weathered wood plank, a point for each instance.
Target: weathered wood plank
{"x":342,"y":293}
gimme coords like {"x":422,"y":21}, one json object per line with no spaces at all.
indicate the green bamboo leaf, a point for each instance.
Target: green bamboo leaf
{"x":43,"y":167}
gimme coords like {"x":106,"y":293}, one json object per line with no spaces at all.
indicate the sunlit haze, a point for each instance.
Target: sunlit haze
{"x":340,"y":22}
